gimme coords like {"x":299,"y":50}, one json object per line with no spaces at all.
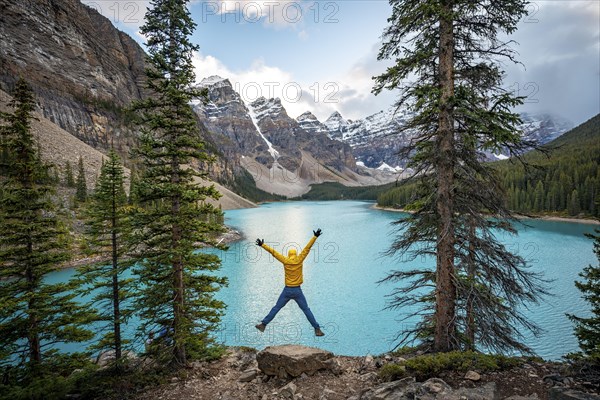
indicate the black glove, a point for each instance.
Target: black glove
{"x":260,"y":242}
{"x":318,"y":232}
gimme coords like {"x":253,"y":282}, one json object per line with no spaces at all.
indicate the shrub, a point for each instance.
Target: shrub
{"x":430,"y":365}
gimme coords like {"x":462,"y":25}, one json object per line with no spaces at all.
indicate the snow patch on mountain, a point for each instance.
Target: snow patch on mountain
{"x":264,"y":108}
{"x":377,"y":138}
{"x":310,"y":123}
{"x":215,"y":81}
{"x":386,"y":167}
{"x":254,"y":116}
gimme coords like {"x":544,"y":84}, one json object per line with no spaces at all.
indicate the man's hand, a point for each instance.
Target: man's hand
{"x":317,"y":233}
{"x":260,"y":242}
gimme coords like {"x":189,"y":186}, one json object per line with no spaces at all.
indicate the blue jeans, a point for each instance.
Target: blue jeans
{"x":292,"y":293}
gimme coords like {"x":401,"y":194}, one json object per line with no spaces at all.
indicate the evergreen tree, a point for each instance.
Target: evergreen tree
{"x":108,"y":232}
{"x":587,"y":330}
{"x":81,"y":185}
{"x":69,"y":179}
{"x":35,"y":314}
{"x":452,"y":48}
{"x":574,"y":207}
{"x":176,"y":288}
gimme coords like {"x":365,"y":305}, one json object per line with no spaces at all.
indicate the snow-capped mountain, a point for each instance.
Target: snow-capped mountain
{"x":283,"y":154}
{"x":543,"y":128}
{"x":337,"y":125}
{"x":375,"y":140}
{"x":262,"y":136}
{"x":311,"y":124}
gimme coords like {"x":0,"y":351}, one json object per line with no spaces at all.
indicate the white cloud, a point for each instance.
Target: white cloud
{"x":276,"y":14}
{"x":268,"y":81}
{"x":349,"y":92}
{"x":303,"y":35}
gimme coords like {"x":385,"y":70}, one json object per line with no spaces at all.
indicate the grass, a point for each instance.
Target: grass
{"x":431,"y":365}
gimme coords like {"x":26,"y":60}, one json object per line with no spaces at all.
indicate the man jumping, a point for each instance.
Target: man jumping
{"x":292,"y":265}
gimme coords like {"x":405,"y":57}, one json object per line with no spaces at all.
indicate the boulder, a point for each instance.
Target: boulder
{"x":288,"y":391}
{"x":567,"y":394}
{"x":485,"y":392}
{"x":392,"y":390}
{"x":472,"y":376}
{"x":432,"y":389}
{"x":107,"y":358}
{"x":248,"y":375}
{"x":435,"y":386}
{"x":293,"y":360}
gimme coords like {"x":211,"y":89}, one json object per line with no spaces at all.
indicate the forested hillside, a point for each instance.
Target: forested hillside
{"x":564,"y":182}
{"x":568,"y":179}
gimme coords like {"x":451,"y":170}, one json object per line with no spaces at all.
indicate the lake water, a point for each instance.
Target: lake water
{"x":341,"y":274}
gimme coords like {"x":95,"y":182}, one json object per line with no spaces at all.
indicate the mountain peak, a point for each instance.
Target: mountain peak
{"x":335,"y":116}
{"x":215,"y":80}
{"x":307,"y":116}
{"x":311,"y":124}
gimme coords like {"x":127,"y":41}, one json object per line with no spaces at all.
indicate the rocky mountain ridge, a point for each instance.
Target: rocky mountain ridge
{"x":83,"y":70}
{"x":375,"y":143}
{"x":283,"y":155}
{"x":85,"y":73}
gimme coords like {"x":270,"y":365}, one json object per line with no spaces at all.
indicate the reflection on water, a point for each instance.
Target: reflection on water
{"x":342,"y":271}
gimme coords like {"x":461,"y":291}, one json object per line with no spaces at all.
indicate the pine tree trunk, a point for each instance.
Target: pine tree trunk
{"x":35,"y":350}
{"x":178,"y":303}
{"x":444,"y":339}
{"x":115,"y":281}
{"x":470,"y":301}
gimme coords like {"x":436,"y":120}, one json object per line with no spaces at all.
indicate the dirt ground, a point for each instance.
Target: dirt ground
{"x":219,"y":380}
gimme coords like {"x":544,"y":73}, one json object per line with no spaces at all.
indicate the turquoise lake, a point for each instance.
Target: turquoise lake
{"x":342,"y":271}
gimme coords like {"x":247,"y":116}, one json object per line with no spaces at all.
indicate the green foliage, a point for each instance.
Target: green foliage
{"x":431,"y":365}
{"x":54,"y":381}
{"x":108,"y":234}
{"x":450,"y":78}
{"x":92,"y":383}
{"x":34,"y":313}
{"x":565,"y":181}
{"x":80,"y":184}
{"x":86,"y":380}
{"x":50,"y":387}
{"x":587,"y":330}
{"x":392,"y":372}
{"x":247,"y":349}
{"x":337,"y":191}
{"x":400,"y":197}
{"x":404,"y":350}
{"x":69,"y":179}
{"x":176,"y":285}
{"x":244,"y":185}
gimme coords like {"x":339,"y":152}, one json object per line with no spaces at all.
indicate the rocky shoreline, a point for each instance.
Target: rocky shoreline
{"x":230,"y":236}
{"x":298,"y":372}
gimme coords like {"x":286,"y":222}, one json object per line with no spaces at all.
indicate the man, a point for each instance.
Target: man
{"x":292,"y":265}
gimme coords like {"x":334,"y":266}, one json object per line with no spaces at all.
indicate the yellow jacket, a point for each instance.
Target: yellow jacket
{"x":292,"y":264}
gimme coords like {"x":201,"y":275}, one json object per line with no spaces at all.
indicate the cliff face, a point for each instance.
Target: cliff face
{"x":85,"y":73}
{"x":82,"y":69}
{"x":263,"y":131}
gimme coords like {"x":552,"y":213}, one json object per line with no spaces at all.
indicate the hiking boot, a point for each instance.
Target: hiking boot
{"x":261,"y":327}
{"x":319,"y":332}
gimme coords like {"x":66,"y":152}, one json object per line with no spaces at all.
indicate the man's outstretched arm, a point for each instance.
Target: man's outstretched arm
{"x":277,"y":255}
{"x":312,"y":240}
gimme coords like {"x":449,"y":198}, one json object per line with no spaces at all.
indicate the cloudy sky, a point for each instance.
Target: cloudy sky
{"x":320,"y":56}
